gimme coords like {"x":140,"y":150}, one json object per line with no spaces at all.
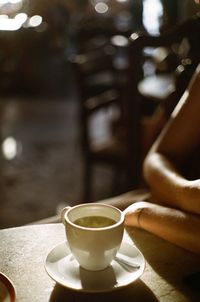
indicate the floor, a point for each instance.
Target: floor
{"x":41,"y":164}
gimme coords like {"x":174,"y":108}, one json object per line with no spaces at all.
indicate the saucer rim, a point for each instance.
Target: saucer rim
{"x":6,"y":281}
{"x":143,"y":265}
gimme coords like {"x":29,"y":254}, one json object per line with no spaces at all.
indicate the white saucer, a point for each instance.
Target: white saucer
{"x":65,"y":270}
{"x":7,"y":290}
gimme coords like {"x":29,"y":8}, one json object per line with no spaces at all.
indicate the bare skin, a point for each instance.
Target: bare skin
{"x":176,"y":217}
{"x":179,"y":138}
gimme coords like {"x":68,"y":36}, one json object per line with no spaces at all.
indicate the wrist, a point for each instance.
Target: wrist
{"x":133,"y":214}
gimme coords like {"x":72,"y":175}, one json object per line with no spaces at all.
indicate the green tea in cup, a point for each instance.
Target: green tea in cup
{"x":95,"y":221}
{"x":94,"y":232}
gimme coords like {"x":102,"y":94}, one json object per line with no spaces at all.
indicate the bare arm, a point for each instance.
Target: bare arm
{"x":179,"y":138}
{"x":178,"y":227}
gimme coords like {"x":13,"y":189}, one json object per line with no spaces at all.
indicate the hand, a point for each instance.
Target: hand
{"x":133,"y":213}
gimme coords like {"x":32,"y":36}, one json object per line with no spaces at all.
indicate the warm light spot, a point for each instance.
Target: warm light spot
{"x":35,"y":21}
{"x":21,"y":18}
{"x":134,"y":36}
{"x":101,"y":8}
{"x":152,"y":11}
{"x":2,"y":2}
{"x":7,"y":23}
{"x":9,"y":148}
{"x":119,"y":40}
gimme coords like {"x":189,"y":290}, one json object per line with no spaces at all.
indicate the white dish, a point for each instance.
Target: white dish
{"x":7,"y":290}
{"x":65,"y":270}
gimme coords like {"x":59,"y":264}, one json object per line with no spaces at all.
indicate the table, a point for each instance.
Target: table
{"x":23,"y":251}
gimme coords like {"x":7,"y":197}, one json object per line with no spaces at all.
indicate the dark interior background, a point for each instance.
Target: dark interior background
{"x":40,"y":156}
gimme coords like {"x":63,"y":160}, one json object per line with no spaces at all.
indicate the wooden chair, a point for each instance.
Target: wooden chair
{"x":100,"y":84}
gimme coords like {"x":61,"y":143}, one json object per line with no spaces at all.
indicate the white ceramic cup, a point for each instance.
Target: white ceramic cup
{"x":93,"y":248}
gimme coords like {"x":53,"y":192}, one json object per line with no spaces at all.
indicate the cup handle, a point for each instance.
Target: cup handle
{"x":62,"y":214}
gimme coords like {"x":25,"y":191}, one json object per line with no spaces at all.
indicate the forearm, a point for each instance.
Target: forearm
{"x":169,"y":186}
{"x":178,"y":227}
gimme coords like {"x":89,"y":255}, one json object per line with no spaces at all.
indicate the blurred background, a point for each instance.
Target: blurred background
{"x":42,"y":149}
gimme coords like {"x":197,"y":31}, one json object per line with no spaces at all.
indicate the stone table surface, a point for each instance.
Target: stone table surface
{"x":23,"y":251}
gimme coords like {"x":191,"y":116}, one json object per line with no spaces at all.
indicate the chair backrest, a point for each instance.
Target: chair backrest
{"x":97,"y":86}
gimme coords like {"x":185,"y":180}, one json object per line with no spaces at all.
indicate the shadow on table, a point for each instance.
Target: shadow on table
{"x":174,"y":264}
{"x":137,"y":290}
